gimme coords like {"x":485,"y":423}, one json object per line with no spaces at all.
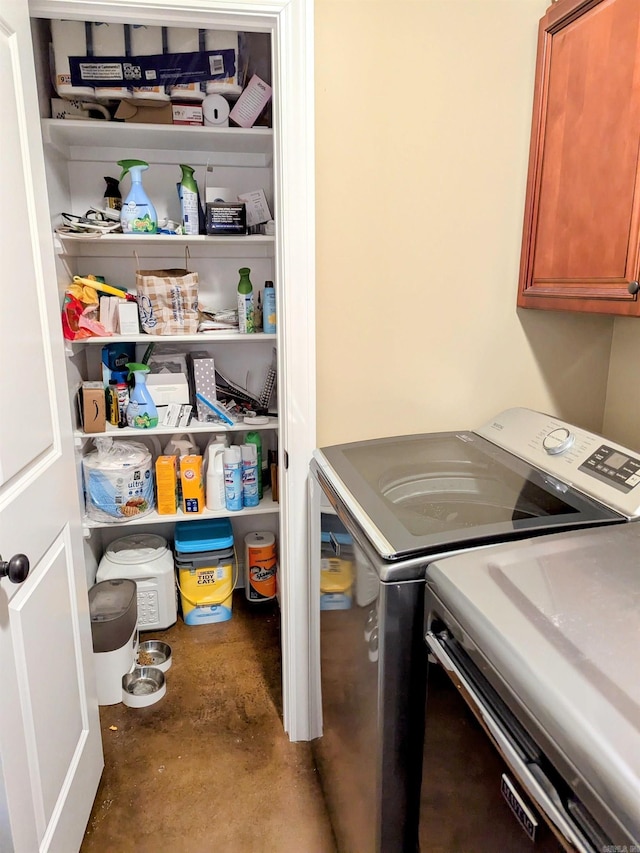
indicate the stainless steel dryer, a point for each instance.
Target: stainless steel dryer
{"x":404,"y":502}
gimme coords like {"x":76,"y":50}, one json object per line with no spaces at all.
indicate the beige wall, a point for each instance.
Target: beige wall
{"x":622,"y":411}
{"x":423,"y":112}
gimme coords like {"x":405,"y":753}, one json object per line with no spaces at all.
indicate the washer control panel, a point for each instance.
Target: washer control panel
{"x":612,"y":466}
{"x":602,"y":469}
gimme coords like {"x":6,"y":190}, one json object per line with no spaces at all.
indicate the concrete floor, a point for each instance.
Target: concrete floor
{"x":209,"y":767}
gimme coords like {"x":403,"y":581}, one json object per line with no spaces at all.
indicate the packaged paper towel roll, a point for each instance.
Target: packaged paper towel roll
{"x":181,"y":40}
{"x":69,"y":39}
{"x":118,"y":481}
{"x":229,"y":83}
{"x":108,"y":40}
{"x":147,"y":41}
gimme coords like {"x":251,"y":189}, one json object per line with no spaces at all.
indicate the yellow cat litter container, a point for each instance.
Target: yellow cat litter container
{"x":206,"y":570}
{"x":336,"y":583}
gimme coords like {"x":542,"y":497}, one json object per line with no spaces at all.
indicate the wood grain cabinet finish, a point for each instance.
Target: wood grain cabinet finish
{"x":581,"y":239}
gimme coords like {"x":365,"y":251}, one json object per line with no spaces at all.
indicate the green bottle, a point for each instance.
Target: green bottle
{"x":253,"y":437}
{"x":245,"y":301}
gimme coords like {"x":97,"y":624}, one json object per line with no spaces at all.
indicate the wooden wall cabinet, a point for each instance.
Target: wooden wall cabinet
{"x":581,"y":238}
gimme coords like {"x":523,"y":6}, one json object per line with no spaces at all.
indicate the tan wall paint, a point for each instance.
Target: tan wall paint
{"x":622,"y":410}
{"x":423,"y":113}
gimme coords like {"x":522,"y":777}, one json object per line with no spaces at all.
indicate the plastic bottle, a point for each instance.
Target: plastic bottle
{"x":141,"y":411}
{"x":245,"y":301}
{"x":215,"y":485}
{"x":232,"y":460}
{"x":253,"y":437}
{"x":249,"y":453}
{"x":112,"y":194}
{"x":257,"y":315}
{"x":113,"y":409}
{"x":122,"y":390}
{"x":138,"y":215}
{"x":189,"y":201}
{"x":269,"y":320}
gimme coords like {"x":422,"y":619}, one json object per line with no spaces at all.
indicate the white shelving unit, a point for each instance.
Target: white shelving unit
{"x":98,"y":145}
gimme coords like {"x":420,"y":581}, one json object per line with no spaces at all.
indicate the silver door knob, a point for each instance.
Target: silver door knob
{"x":16,"y":569}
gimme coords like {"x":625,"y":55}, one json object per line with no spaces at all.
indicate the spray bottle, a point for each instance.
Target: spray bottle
{"x":138,"y":215}
{"x":112,"y":196}
{"x":141,"y":411}
{"x":189,"y":201}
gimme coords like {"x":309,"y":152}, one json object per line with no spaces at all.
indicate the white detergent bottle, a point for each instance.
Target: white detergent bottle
{"x":214,"y":489}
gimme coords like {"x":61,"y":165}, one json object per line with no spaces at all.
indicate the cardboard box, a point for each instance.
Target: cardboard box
{"x":167,"y":484}
{"x":187,"y":114}
{"x":93,"y":407}
{"x":191,"y":477}
{"x":204,"y":380}
{"x":168,"y":388}
{"x":144,"y":112}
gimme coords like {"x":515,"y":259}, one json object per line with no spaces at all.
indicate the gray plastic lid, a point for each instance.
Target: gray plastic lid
{"x":137,"y":548}
{"x":113,"y":609}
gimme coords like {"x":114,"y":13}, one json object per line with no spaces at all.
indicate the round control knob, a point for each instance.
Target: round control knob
{"x":558,"y":440}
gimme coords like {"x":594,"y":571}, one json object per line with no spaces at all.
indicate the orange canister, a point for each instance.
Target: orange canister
{"x":260,"y":566}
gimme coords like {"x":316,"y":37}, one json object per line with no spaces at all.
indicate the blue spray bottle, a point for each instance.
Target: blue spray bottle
{"x":141,"y":411}
{"x":138,"y":215}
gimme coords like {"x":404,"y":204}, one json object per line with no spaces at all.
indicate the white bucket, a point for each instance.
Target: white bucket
{"x":118,"y":481}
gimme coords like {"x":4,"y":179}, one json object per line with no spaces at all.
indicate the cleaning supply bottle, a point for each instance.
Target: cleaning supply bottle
{"x":138,"y":215}
{"x":215,"y":486}
{"x":112,"y":194}
{"x":232,"y":460}
{"x":245,"y":301}
{"x":269,"y":324}
{"x":249,"y":453}
{"x":253,"y":437}
{"x":141,"y":411}
{"x":189,"y":201}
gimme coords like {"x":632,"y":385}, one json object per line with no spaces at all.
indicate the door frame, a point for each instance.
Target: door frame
{"x":290,"y":24}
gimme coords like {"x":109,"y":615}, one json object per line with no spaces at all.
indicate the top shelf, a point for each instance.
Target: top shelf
{"x":79,"y":139}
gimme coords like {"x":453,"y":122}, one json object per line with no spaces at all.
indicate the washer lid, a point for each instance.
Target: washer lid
{"x":138,"y":548}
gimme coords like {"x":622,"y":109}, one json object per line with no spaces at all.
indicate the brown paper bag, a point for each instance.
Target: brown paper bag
{"x":168,"y":301}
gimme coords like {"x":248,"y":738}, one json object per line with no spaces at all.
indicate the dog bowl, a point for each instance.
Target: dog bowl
{"x":143,"y":686}
{"x":154,"y":653}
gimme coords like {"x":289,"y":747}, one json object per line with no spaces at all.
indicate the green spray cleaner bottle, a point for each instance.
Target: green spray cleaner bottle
{"x":138,"y":215}
{"x":189,"y":201}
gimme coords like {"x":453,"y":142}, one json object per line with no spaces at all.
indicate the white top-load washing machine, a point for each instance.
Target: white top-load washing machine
{"x":406,"y":501}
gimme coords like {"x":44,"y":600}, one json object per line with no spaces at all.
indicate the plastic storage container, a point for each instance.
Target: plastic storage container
{"x":148,"y":561}
{"x":206,"y":570}
{"x":113,"y":612}
{"x":336,"y":565}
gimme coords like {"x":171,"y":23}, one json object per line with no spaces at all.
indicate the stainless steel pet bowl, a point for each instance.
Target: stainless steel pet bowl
{"x":154,"y":653}
{"x":145,"y":685}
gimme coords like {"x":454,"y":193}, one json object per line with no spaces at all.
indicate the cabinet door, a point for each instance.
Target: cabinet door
{"x":582,"y":216}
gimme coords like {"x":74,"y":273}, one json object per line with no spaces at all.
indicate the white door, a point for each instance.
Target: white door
{"x":50,"y":746}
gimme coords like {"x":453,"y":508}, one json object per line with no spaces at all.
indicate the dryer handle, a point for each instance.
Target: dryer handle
{"x":528,"y":774}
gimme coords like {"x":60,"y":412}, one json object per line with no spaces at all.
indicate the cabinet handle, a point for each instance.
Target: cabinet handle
{"x":633,"y":287}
